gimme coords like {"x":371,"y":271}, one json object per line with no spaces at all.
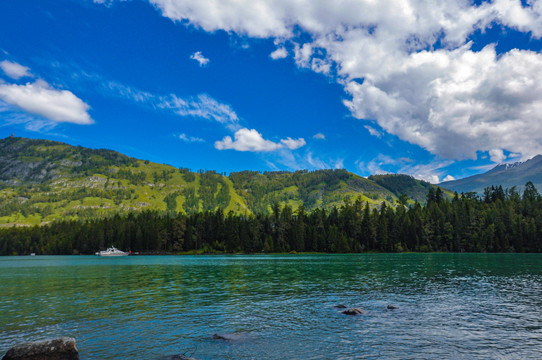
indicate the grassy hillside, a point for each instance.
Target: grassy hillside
{"x":43,"y":181}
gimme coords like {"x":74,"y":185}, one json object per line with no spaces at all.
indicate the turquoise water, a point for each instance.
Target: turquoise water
{"x":450,"y":306}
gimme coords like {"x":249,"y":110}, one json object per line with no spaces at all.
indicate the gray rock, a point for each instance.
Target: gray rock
{"x":340,"y":306}
{"x":51,"y":349}
{"x":354,"y":311}
{"x":391,"y":307}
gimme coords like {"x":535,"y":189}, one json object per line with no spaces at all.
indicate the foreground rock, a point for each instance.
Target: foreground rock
{"x":51,"y":349}
{"x":354,"y":311}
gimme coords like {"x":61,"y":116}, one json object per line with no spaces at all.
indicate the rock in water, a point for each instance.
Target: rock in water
{"x":51,"y":349}
{"x":391,"y":307}
{"x":340,"y":306}
{"x":353,"y":311}
{"x":233,"y":337}
{"x":176,"y":357}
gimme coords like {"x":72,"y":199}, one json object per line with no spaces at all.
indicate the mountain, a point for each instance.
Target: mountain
{"x":400,"y":184}
{"x":43,"y":181}
{"x":506,"y":175}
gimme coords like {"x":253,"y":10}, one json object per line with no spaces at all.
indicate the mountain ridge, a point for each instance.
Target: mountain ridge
{"x":43,"y":181}
{"x":506,"y":175}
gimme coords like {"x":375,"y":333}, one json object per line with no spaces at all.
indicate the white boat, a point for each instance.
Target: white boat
{"x":112,"y":251}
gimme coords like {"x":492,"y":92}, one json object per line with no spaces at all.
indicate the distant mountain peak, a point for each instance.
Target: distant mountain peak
{"x":508,"y":166}
{"x":507,"y":175}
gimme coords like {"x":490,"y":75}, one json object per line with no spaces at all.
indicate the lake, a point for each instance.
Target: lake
{"x":459,"y":306}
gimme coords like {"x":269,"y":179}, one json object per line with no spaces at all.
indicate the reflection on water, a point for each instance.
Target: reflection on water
{"x":483,"y":306}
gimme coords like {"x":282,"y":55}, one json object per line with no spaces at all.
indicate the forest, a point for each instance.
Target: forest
{"x":497,"y":221}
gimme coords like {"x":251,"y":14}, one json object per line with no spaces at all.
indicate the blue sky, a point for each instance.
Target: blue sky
{"x":432,"y":89}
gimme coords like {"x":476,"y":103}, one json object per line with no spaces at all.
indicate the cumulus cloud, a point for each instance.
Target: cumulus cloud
{"x":202,"y":60}
{"x":41,"y":99}
{"x":448,"y":178}
{"x":251,"y":140}
{"x":453,"y":101}
{"x":15,"y":70}
{"x":292,"y":144}
{"x":280,"y":53}
{"x":497,"y":156}
{"x":190,"y":139}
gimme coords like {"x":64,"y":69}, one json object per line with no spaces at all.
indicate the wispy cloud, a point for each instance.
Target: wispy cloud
{"x":319,"y":136}
{"x":201,"y":106}
{"x":373,"y":131}
{"x":383,"y":164}
{"x":190,"y":139}
{"x":15,"y":70}
{"x":202,"y":60}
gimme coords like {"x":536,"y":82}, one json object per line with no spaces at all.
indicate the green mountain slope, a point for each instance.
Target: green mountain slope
{"x":399,"y":184}
{"x":43,"y":181}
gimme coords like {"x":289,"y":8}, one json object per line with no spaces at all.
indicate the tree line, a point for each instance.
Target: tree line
{"x":497,"y":221}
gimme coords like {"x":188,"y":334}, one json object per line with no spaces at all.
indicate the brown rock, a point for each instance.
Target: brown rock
{"x":51,"y":349}
{"x":354,"y":311}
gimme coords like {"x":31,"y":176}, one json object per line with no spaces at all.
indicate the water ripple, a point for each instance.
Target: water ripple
{"x":460,"y":306}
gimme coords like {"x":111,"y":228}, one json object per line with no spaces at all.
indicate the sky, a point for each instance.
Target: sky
{"x":439,"y":90}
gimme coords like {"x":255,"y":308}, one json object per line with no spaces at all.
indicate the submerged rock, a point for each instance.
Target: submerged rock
{"x":232,"y":337}
{"x":391,"y":307}
{"x":340,"y":306}
{"x":51,"y":349}
{"x":176,"y":357}
{"x":354,"y":311}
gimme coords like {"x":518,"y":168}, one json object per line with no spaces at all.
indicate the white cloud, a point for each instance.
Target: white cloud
{"x":252,"y":140}
{"x":373,"y":131}
{"x":315,"y":163}
{"x":454,"y":101}
{"x":41,"y":99}
{"x":497,"y":156}
{"x":319,"y":136}
{"x":464,"y":101}
{"x":202,"y":106}
{"x":14,"y":70}
{"x":190,"y":139}
{"x":202,"y":60}
{"x":293,"y":144}
{"x":448,"y":178}
{"x":383,"y":164}
{"x":280,"y":53}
